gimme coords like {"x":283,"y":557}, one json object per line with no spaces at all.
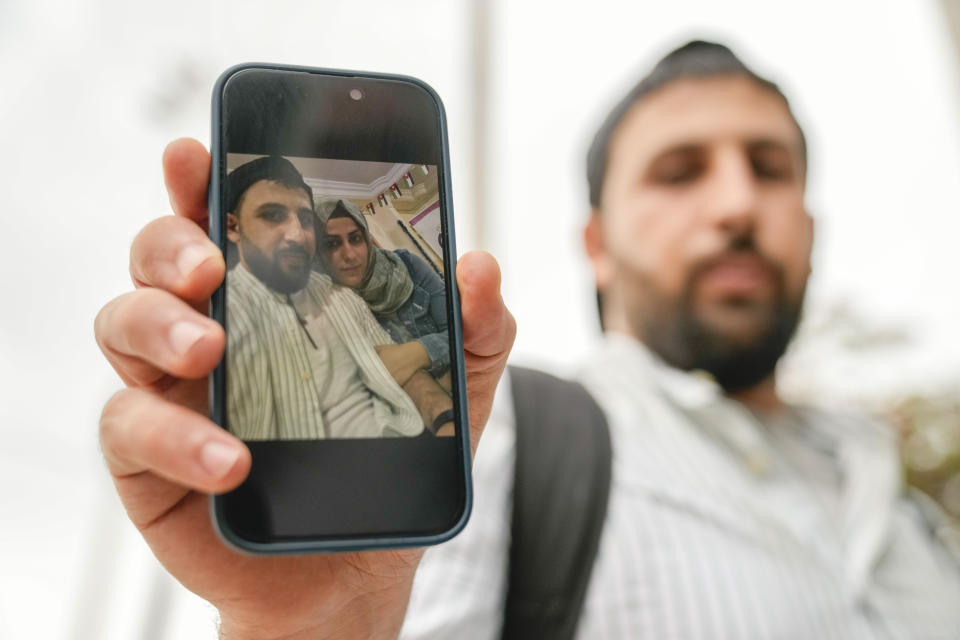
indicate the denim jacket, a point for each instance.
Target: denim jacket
{"x":423,"y":317}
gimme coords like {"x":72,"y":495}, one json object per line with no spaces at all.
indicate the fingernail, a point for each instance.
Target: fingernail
{"x":184,"y":334}
{"x":218,"y":458}
{"x":191,"y":257}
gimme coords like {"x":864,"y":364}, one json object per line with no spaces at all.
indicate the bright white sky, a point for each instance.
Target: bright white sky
{"x":92,"y":91}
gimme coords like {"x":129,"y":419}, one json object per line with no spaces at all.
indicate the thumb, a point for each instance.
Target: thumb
{"x":489,"y":330}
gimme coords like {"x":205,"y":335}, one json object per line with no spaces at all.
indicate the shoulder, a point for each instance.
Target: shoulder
{"x":416,"y":265}
{"x":846,"y":422}
{"x":408,"y":258}
{"x":319,"y":281}
{"x":321,"y":287}
{"x":242,"y":294}
{"x":241,"y":284}
{"x":850,"y":429}
{"x":326,"y":291}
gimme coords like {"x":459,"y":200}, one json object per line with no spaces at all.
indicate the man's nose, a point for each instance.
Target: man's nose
{"x":734,"y":193}
{"x":293,"y":231}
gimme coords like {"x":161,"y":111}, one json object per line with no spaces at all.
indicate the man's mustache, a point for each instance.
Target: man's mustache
{"x":293,"y":251}
{"x":739,"y":247}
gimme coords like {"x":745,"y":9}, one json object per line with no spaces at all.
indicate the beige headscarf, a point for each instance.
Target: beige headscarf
{"x":386,"y":284}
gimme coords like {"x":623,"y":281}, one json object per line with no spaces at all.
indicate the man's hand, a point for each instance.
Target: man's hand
{"x":403,"y":360}
{"x":165,"y":454}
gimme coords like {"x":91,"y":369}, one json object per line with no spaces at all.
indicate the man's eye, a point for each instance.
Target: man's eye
{"x":768,"y":170}
{"x":273,"y":215}
{"x":679,"y":174}
{"x":306,"y":219}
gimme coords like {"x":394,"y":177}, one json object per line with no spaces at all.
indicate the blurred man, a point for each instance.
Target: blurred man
{"x":731,"y":514}
{"x":294,"y":366}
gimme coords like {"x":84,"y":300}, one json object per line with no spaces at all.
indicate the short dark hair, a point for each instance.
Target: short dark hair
{"x":696,"y":59}
{"x":273,"y":168}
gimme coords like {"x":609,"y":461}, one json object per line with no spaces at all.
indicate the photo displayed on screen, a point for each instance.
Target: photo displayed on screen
{"x":336,"y":305}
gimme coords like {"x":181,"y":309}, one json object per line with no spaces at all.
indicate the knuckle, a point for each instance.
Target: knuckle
{"x":98,"y":324}
{"x":154,"y":248}
{"x":179,"y":259}
{"x":113,"y":419}
{"x":109,"y":321}
{"x":143,"y":251}
{"x":137,"y":309}
{"x":511,"y":327}
{"x":120,"y":321}
{"x":131,"y":426}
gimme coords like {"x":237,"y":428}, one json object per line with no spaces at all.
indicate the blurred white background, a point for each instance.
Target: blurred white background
{"x":92,"y":91}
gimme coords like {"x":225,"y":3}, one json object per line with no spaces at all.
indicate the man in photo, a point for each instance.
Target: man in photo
{"x":301,"y":351}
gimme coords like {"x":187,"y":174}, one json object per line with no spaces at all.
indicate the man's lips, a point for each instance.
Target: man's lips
{"x":293,"y":258}
{"x":735,"y":276}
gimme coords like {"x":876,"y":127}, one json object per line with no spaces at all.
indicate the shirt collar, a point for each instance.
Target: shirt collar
{"x":243,"y":274}
{"x":688,"y":389}
{"x":698,"y":395}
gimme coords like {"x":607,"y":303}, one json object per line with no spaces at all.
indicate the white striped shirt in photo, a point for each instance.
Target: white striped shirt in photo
{"x":274,"y":385}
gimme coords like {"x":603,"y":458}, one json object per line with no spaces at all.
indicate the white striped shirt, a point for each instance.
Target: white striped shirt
{"x":273,"y":390}
{"x":718,"y":526}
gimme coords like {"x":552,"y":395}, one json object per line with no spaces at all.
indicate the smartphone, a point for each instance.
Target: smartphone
{"x":343,"y":369}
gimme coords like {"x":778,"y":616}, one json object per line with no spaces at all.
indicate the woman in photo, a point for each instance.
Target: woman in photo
{"x":405,"y":294}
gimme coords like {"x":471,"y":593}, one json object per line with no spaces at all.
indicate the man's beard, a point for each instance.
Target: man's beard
{"x":673,"y":329}
{"x":268,"y":270}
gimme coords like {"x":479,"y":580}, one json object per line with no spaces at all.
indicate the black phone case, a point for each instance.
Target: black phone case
{"x":356,"y":542}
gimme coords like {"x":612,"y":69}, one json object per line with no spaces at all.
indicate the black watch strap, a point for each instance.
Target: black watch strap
{"x":442,"y":419}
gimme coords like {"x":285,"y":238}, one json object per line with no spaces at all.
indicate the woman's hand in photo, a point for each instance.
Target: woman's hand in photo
{"x":166,"y":455}
{"x":403,"y":360}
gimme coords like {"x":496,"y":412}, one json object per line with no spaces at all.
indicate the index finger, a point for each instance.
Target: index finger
{"x":186,"y":172}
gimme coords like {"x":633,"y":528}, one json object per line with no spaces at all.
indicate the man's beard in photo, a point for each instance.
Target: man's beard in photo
{"x":268,"y":270}
{"x":674,"y":330}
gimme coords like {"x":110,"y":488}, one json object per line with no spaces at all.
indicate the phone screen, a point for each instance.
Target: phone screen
{"x":343,"y":366}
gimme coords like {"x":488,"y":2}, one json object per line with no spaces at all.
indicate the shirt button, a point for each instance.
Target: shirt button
{"x":305,"y":375}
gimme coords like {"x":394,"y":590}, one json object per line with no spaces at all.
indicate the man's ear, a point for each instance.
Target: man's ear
{"x":233,"y":228}
{"x":595,"y":244}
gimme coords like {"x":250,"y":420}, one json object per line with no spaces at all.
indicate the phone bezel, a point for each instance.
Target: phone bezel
{"x":218,"y":311}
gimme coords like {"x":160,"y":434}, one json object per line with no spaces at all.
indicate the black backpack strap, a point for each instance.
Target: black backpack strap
{"x":562,"y":482}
